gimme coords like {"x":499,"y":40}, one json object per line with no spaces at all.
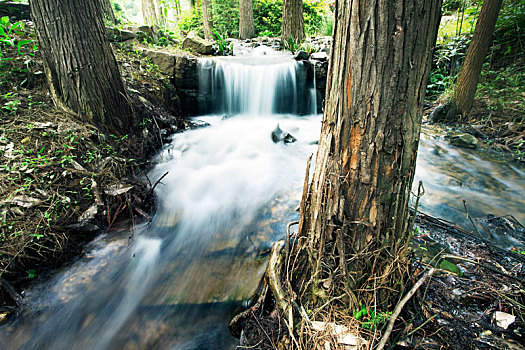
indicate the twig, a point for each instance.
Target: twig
{"x":400,"y":306}
{"x":264,"y":331}
{"x":470,"y":218}
{"x":157,"y":182}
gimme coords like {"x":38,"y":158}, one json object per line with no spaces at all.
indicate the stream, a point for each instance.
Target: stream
{"x":176,"y":281}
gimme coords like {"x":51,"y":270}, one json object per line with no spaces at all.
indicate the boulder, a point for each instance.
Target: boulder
{"x":301,"y":55}
{"x":279,"y":135}
{"x":464,"y":140}
{"x":197,"y":44}
{"x":147,"y":32}
{"x":164,"y":60}
{"x":118,"y":35}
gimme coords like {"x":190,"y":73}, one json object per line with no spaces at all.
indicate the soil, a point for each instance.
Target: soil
{"x":64,"y":180}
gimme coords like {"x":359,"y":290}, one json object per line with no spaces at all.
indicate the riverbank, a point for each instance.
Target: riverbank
{"x":63,"y":180}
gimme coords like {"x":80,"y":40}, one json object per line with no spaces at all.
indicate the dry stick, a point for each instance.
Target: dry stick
{"x":400,"y":305}
{"x":264,"y":331}
{"x":157,"y":182}
{"x":470,"y":218}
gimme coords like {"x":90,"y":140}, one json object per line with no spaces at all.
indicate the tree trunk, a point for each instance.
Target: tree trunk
{"x":82,"y":72}
{"x":149,"y":13}
{"x":107,"y":9}
{"x":246,"y":26}
{"x":292,"y":27}
{"x":161,"y":14}
{"x":206,"y":18}
{"x":354,"y":214}
{"x":463,"y":97}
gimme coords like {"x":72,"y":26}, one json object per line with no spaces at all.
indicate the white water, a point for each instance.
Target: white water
{"x":228,"y":195}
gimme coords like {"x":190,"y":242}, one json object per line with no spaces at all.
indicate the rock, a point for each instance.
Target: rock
{"x":319,"y":56}
{"x":278,"y":135}
{"x":186,"y":73}
{"x":464,"y":140}
{"x":164,"y":60}
{"x":197,"y":44}
{"x":147,"y":32}
{"x":118,"y":35}
{"x":301,"y":55}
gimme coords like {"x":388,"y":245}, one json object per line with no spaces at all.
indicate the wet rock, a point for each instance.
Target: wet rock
{"x":186,"y":74}
{"x":301,"y":55}
{"x":164,"y":60}
{"x":196,"y":124}
{"x":319,"y":56}
{"x":279,"y":135}
{"x":119,"y":35}
{"x":464,"y":140}
{"x":195,"y":43}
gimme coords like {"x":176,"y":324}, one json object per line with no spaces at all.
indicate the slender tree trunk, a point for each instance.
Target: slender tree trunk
{"x":293,"y":22}
{"x":246,"y":26}
{"x":206,"y":17}
{"x":463,"y":97}
{"x":107,"y":9}
{"x":354,"y":213}
{"x":149,"y":13}
{"x":82,"y":72}
{"x":161,"y":15}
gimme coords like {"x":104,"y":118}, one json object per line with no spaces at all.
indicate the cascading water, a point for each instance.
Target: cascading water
{"x":229,"y":193}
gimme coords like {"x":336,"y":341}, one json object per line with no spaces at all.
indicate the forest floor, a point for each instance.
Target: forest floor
{"x":64,"y":180}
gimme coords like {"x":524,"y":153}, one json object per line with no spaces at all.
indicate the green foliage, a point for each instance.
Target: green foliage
{"x":509,"y":35}
{"x":371,"y":319}
{"x":267,"y":17}
{"x":224,"y":49}
{"x":291,"y":45}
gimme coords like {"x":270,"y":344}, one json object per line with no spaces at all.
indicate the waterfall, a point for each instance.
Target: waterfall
{"x":256,"y":86}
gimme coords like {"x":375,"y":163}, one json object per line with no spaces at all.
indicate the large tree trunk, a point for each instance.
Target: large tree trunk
{"x":206,"y":18}
{"x":354,"y":214}
{"x":463,"y":98}
{"x":246,"y":26}
{"x":107,"y":9}
{"x":292,"y":27}
{"x":82,"y":72}
{"x":149,"y":13}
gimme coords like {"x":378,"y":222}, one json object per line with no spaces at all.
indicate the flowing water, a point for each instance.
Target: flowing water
{"x":175,"y":282}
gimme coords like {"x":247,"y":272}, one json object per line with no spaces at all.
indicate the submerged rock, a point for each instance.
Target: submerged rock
{"x":464,"y":140}
{"x":279,"y":135}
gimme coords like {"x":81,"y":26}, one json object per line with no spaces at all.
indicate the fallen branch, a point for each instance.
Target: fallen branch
{"x":400,"y":306}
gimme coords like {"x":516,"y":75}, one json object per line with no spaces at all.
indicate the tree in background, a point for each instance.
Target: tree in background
{"x":206,"y":18}
{"x":353,"y":229}
{"x":149,"y":13}
{"x":462,"y":99}
{"x":246,"y":25}
{"x":293,"y":22}
{"x":80,"y":67}
{"x":107,"y":9}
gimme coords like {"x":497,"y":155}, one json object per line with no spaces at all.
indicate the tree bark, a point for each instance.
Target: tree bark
{"x":463,"y":98}
{"x":80,"y":66}
{"x":161,"y":15}
{"x":149,"y":13}
{"x":206,"y":18}
{"x":107,"y":9}
{"x":354,"y":213}
{"x":292,"y":26}
{"x":246,"y":26}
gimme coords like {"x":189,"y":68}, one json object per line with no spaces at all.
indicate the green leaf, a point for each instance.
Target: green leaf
{"x":22,"y":43}
{"x":451,"y":267}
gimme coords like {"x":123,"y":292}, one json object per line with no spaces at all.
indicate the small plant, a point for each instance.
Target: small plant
{"x":291,"y":45}
{"x":371,"y":319}
{"x":222,"y":44}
